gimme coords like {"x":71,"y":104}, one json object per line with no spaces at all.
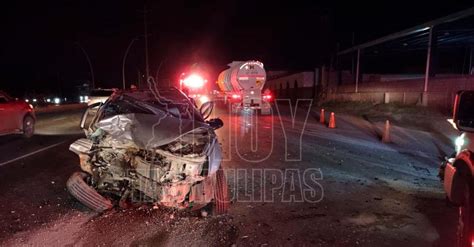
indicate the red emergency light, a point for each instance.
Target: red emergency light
{"x":194,"y":81}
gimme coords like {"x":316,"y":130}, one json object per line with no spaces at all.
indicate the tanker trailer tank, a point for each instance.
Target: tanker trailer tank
{"x":242,"y":85}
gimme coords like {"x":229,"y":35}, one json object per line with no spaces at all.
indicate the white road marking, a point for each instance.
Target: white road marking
{"x":59,"y":118}
{"x":32,"y":153}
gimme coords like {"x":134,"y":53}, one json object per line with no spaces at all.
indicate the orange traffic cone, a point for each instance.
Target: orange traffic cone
{"x":386,"y":133}
{"x":321,"y":116}
{"x":332,"y":121}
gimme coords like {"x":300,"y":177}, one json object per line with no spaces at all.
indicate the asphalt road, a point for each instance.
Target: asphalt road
{"x":293,"y":182}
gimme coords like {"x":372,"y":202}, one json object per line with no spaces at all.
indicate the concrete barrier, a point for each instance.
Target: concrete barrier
{"x":441,"y":91}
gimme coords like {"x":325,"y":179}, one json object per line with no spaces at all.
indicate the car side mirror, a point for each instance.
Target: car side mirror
{"x":215,"y":123}
{"x":206,"y":109}
{"x":463,"y":114}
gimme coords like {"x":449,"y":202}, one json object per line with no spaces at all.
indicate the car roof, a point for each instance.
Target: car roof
{"x":160,"y":92}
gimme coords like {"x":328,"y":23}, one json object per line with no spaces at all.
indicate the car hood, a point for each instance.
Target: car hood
{"x":149,"y":131}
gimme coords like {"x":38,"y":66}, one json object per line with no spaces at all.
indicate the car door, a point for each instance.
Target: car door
{"x":6,"y":120}
{"x":17,"y":112}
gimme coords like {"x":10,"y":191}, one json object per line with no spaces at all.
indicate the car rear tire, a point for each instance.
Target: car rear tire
{"x":87,"y":195}
{"x":465,"y":218}
{"x":221,"y":194}
{"x":28,"y":126}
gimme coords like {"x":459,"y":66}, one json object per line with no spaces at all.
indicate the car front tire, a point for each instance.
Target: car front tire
{"x":87,"y":195}
{"x":465,"y":218}
{"x":28,"y":126}
{"x":221,"y":194}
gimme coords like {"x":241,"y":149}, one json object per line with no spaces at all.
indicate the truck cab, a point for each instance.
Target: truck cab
{"x":458,"y":170}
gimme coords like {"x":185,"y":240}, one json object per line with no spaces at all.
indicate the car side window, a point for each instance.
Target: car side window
{"x":3,"y":99}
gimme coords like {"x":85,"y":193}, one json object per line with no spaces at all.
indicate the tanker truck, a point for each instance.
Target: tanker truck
{"x":242,"y":85}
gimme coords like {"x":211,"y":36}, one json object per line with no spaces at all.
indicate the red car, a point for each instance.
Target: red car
{"x":16,"y":116}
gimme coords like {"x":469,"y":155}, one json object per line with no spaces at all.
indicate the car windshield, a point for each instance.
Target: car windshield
{"x":167,"y":101}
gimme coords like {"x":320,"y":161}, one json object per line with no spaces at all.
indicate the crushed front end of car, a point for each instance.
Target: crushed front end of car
{"x":148,"y":158}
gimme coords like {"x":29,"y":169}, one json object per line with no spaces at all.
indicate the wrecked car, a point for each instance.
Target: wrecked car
{"x":154,"y":147}
{"x":457,"y":171}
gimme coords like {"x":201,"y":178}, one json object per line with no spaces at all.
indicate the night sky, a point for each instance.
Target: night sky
{"x":41,"y":40}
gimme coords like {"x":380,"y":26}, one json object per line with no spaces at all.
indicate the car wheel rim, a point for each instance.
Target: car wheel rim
{"x":28,"y":128}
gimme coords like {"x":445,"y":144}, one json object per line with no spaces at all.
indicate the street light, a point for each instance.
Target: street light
{"x":88,"y":61}
{"x":124,"y":59}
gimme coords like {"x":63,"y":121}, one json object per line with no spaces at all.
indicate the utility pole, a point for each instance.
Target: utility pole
{"x":123,"y":61}
{"x":159,"y":69}
{"x":352,"y":56}
{"x":470,"y":61}
{"x":357,"y":71}
{"x":147,"y":69}
{"x":139,"y":77}
{"x":424,"y":97}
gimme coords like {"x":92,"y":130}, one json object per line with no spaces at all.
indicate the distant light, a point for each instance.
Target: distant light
{"x":252,"y":92}
{"x":27,"y":100}
{"x":83,"y":99}
{"x":194,"y":81}
{"x":236,"y":96}
{"x":48,"y":100}
{"x":34,"y":100}
{"x":57,"y":101}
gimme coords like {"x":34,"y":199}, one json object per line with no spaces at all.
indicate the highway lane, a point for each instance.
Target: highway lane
{"x":33,"y":173}
{"x":52,"y":129}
